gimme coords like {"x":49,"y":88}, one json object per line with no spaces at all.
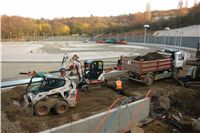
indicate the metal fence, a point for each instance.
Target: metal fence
{"x":166,"y":40}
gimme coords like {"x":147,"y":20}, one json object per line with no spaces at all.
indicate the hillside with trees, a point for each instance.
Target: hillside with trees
{"x":18,"y":27}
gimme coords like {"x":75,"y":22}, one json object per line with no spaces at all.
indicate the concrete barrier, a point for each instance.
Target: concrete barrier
{"x":138,"y":110}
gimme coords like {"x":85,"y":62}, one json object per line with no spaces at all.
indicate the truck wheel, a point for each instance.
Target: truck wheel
{"x":175,"y":74}
{"x":61,"y":107}
{"x":41,"y":109}
{"x":149,"y":80}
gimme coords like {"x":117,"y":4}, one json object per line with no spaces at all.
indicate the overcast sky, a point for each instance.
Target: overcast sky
{"x":68,"y":8}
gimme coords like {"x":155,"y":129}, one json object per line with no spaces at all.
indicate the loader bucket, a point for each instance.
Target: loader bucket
{"x":21,"y":105}
{"x":24,"y":102}
{"x":25,"y":105}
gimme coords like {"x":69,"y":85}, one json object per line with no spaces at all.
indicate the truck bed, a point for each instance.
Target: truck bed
{"x":143,"y":67}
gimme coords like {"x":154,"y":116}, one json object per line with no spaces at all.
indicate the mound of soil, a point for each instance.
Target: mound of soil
{"x":150,"y":56}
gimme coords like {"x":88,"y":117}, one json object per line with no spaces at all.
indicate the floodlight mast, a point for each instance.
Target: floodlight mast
{"x":166,"y":29}
{"x":146,"y":26}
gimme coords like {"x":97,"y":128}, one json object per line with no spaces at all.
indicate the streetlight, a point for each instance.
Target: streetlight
{"x":181,"y":35}
{"x":10,"y":36}
{"x":43,"y":35}
{"x":155,"y":37}
{"x":146,"y":26}
{"x":166,"y":29}
{"x":34,"y":35}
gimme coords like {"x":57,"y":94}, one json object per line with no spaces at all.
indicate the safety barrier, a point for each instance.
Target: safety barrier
{"x":123,"y":117}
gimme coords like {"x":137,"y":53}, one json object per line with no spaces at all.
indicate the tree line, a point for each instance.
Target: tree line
{"x":17,"y":27}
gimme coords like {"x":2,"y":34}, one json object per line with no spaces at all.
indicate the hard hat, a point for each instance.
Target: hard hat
{"x":75,"y":57}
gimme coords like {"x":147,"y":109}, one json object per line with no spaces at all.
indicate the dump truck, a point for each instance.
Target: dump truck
{"x":164,"y":65}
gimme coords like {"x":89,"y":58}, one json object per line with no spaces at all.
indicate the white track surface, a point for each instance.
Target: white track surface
{"x":22,"y":52}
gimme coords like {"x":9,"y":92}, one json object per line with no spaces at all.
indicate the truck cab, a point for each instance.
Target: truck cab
{"x":177,"y":56}
{"x":178,"y":60}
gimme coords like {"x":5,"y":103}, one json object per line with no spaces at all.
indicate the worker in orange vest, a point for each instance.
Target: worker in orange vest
{"x":119,"y":86}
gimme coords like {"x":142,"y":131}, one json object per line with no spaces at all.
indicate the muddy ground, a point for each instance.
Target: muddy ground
{"x":90,"y":103}
{"x":185,"y":101}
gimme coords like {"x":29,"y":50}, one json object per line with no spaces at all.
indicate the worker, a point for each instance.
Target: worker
{"x":119,"y":86}
{"x":65,"y":60}
{"x":67,"y":44}
{"x":62,"y":72}
{"x":78,"y":66}
{"x":119,"y":62}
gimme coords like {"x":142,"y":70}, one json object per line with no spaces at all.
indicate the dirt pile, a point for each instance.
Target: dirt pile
{"x":188,"y":102}
{"x":150,"y":56}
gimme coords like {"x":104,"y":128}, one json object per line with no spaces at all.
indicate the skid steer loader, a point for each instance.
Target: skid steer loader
{"x":46,"y":92}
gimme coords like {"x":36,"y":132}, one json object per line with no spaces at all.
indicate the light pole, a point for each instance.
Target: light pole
{"x":146,"y":26}
{"x":178,"y":37}
{"x":166,"y":29}
{"x":181,"y":35}
{"x":125,"y":37}
{"x":10,"y":36}
{"x":34,"y":35}
{"x":43,"y":35}
{"x":155,"y":37}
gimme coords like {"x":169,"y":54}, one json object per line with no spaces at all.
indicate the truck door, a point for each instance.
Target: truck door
{"x":178,"y":60}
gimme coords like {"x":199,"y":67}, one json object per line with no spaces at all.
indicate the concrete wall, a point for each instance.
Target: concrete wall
{"x":138,"y":110}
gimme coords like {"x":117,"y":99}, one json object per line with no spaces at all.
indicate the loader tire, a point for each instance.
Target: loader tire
{"x":84,"y":88}
{"x":41,"y":109}
{"x":61,"y":107}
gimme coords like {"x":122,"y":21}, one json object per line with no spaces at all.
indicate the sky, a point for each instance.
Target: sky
{"x":50,"y":9}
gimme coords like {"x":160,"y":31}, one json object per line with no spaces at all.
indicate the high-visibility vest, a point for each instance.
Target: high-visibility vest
{"x":118,"y":84}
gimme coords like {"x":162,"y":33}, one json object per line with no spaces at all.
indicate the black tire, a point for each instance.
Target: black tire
{"x":149,"y":79}
{"x":41,"y":109}
{"x":61,"y":107}
{"x":84,"y":88}
{"x":175,"y":73}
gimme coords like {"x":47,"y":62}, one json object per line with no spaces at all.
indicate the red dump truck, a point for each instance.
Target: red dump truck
{"x":151,"y":70}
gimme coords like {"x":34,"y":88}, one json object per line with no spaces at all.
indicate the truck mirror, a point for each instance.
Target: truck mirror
{"x":183,"y":57}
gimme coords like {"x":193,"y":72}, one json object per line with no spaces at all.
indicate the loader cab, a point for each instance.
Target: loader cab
{"x":93,"y":69}
{"x":45,"y":83}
